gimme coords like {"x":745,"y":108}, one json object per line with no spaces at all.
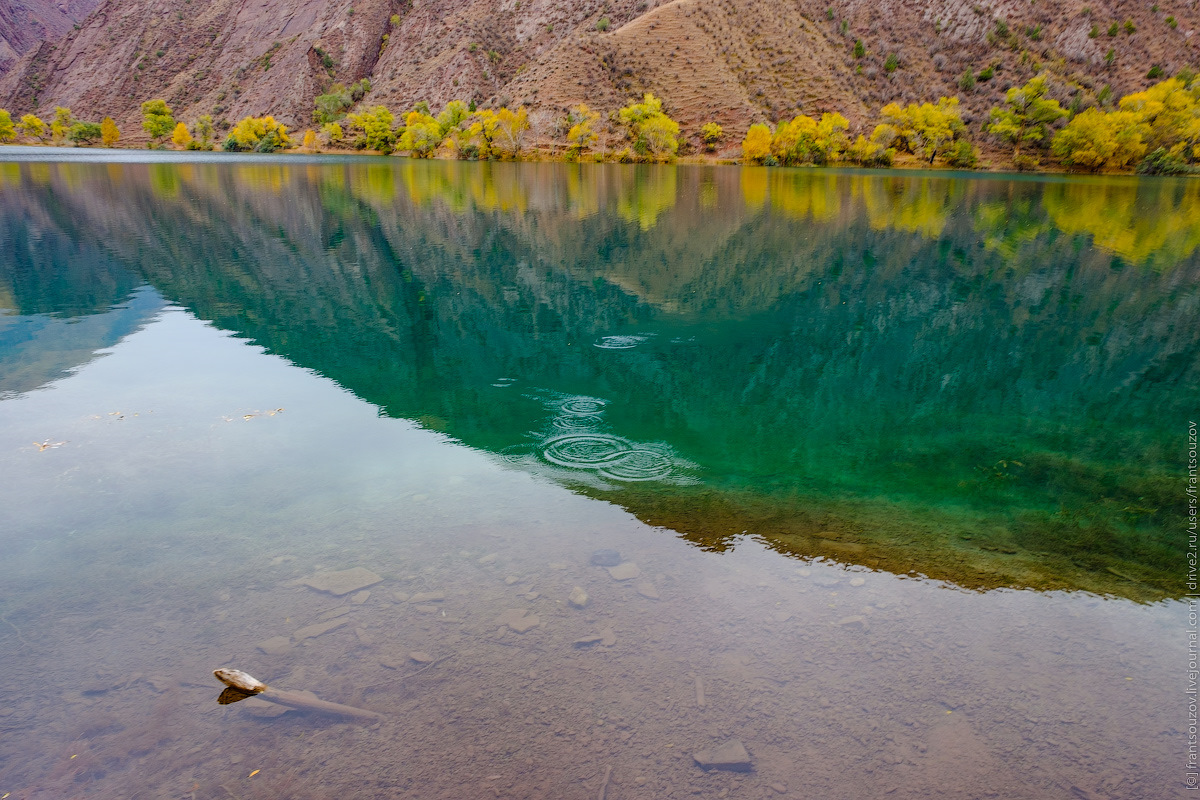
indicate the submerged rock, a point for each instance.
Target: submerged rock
{"x":624,"y":572}
{"x":578,"y":597}
{"x":731,"y":756}
{"x":343,"y":581}
{"x":275,"y":646}
{"x":605,"y":558}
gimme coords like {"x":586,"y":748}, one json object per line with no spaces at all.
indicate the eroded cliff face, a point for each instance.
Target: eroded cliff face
{"x":26,"y":23}
{"x":731,"y":61}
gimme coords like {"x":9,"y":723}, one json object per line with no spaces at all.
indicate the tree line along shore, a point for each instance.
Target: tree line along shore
{"x":1156,"y":131}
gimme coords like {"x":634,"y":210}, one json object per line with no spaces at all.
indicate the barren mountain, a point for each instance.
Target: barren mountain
{"x":24,"y":23}
{"x":730,"y":61}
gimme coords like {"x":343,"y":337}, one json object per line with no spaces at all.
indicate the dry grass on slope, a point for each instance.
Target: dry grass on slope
{"x":734,"y":62}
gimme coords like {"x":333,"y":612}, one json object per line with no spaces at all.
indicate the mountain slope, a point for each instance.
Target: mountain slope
{"x":25,"y":23}
{"x":730,"y":61}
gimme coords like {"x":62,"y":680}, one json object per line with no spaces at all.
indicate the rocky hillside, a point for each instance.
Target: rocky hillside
{"x":732,"y":61}
{"x":25,"y":23}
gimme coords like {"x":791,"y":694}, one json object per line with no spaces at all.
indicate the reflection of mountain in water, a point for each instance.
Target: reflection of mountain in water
{"x":913,"y":373}
{"x":62,"y":297}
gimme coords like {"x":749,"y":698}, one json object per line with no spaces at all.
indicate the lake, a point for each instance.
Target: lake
{"x":576,"y":473}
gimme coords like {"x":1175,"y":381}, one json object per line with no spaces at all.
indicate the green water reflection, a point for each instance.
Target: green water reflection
{"x":981,"y":380}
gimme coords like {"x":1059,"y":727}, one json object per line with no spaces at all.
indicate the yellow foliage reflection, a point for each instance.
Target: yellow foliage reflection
{"x":801,"y":195}
{"x":374,"y":183}
{"x":649,"y":194}
{"x":754,"y":187}
{"x":10,"y":175}
{"x":264,"y":176}
{"x":913,"y":205}
{"x":1150,"y":223}
{"x":164,"y":180}
{"x":492,"y":192}
{"x":583,"y":191}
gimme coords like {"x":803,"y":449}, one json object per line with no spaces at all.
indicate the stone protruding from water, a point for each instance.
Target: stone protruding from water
{"x":341,"y":582}
{"x":730,"y":756}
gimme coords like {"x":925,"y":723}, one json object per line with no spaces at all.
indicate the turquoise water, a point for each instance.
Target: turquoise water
{"x":812,"y":406}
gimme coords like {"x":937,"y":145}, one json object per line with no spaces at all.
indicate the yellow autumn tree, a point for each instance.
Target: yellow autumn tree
{"x":510,"y":130}
{"x":1096,"y":140}
{"x":655,"y":135}
{"x":422,"y":135}
{"x":110,"y":134}
{"x":923,"y":130}
{"x":181,"y":136}
{"x":310,"y":139}
{"x":580,"y":135}
{"x":32,"y":127}
{"x":757,"y":144}
{"x":1170,"y":111}
{"x":61,"y":124}
{"x":8,"y":130}
{"x":260,"y":134}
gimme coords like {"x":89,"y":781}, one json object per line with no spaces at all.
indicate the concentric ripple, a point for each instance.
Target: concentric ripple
{"x":639,"y":465}
{"x":622,"y":342}
{"x":577,"y":422}
{"x":585,"y":451}
{"x":517,"y":453}
{"x":582,"y":405}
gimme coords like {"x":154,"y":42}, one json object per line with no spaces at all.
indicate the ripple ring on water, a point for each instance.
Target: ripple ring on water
{"x":580,"y":406}
{"x":517,"y":453}
{"x":578,"y":422}
{"x":585,"y":451}
{"x":639,"y":465}
{"x":623,"y":342}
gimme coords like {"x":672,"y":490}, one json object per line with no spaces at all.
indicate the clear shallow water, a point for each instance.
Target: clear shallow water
{"x":469,"y":377}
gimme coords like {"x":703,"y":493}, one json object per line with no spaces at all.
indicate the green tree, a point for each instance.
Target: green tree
{"x":204,"y":131}
{"x":157,"y":119}
{"x":85,"y":132}
{"x":453,"y":116}
{"x":332,"y":105}
{"x":376,"y":126}
{"x":1028,"y":115}
{"x":860,"y":50}
{"x":8,"y":131}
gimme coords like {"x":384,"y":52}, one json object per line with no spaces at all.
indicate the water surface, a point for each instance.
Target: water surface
{"x":899,"y":458}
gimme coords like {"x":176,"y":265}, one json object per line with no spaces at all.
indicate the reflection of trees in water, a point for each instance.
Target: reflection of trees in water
{"x":1152,"y":222}
{"x":924,"y":342}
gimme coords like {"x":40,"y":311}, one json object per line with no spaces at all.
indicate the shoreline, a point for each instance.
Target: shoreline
{"x":904,"y":165}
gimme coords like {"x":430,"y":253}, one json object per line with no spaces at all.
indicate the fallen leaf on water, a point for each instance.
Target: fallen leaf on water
{"x":252,"y":774}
